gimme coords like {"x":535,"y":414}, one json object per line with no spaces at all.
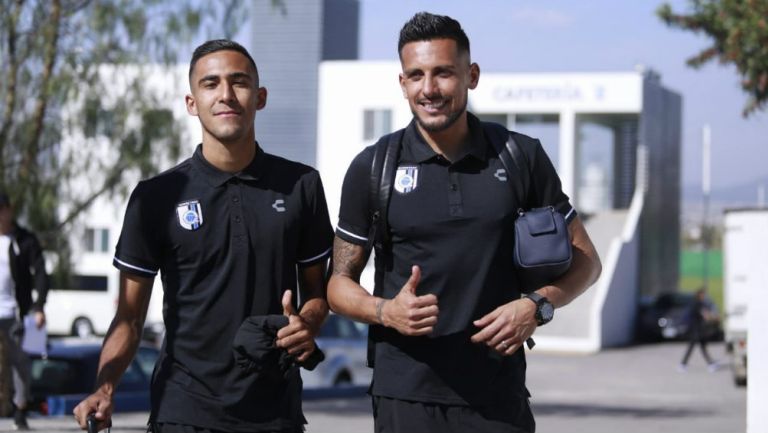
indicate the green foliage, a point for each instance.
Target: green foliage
{"x":58,"y":60}
{"x":711,"y":234}
{"x":692,"y":263}
{"x":692,"y":273}
{"x":739,"y":30}
{"x":714,"y":289}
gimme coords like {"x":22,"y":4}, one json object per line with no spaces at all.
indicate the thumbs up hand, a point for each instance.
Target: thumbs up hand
{"x":409,"y":313}
{"x":298,"y":337}
{"x":287,"y":303}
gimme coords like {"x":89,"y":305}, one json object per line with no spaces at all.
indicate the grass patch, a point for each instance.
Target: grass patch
{"x":715,"y":288}
{"x":692,"y":272}
{"x":692,"y":263}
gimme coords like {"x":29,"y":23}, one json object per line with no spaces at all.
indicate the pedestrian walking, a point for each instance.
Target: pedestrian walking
{"x":22,"y":271}
{"x":702,"y":318}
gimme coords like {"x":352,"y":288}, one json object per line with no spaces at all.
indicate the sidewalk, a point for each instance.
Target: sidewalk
{"x":629,"y":390}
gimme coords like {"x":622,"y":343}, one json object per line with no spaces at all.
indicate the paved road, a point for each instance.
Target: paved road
{"x":629,"y":390}
{"x":635,"y":389}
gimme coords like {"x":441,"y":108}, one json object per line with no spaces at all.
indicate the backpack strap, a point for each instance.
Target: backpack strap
{"x":512,"y":158}
{"x":383,"y":169}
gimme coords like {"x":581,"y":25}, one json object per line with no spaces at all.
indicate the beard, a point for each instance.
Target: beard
{"x":441,"y":125}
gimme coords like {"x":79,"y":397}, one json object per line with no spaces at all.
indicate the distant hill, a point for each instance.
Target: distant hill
{"x":742,"y":195}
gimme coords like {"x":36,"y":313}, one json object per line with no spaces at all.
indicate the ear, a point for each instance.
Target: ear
{"x":474,"y":75}
{"x":261,"y":95}
{"x":191,"y":104}
{"x":402,"y":85}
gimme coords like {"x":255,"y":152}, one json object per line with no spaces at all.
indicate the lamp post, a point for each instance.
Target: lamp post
{"x":705,"y":191}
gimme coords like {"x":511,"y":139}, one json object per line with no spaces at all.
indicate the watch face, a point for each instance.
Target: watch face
{"x":547,"y":312}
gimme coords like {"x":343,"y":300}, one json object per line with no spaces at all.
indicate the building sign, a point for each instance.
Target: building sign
{"x":596,"y":93}
{"x":549,"y":93}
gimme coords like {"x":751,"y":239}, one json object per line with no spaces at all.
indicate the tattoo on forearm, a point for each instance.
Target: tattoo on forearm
{"x":348,"y":259}
{"x":380,"y":310}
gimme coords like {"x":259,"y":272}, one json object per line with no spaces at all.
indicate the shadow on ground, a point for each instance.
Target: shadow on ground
{"x":341,"y":407}
{"x":587,"y":410}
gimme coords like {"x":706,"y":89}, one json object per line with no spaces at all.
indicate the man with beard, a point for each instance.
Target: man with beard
{"x":450,"y":321}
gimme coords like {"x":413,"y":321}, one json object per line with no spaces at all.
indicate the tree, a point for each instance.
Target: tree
{"x":54,"y":54}
{"x":739,"y":29}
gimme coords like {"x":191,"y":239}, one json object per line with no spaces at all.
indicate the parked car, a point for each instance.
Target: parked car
{"x":345,"y":344}
{"x":665,"y":317}
{"x":67,"y":374}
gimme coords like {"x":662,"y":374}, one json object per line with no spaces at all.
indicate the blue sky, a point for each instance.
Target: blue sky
{"x":591,"y":36}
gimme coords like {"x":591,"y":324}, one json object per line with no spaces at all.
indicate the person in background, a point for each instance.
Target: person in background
{"x":22,"y":270}
{"x":701,"y":316}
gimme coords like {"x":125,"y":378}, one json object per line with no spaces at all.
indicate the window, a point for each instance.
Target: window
{"x":133,"y":376}
{"x":88,"y":283}
{"x":338,"y":327}
{"x":96,"y":240}
{"x":90,"y":235}
{"x":55,"y":376}
{"x":376,"y":123}
{"x":146,"y":359}
{"x":98,"y":120}
{"x":104,"y":240}
{"x":501,"y":119}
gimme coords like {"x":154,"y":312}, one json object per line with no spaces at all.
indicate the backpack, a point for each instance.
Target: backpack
{"x":383,"y":170}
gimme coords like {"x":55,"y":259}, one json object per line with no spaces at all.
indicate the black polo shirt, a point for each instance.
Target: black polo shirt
{"x":454,"y":220}
{"x":227,"y":246}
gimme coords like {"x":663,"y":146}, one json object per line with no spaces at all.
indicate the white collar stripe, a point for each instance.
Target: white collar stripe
{"x":348,"y":233}
{"x":316,"y":257}
{"x":128,"y":265}
{"x":568,"y":215}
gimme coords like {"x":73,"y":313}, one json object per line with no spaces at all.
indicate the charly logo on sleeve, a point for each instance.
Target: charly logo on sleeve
{"x":406,"y":179}
{"x":190,"y":214}
{"x":279,"y":205}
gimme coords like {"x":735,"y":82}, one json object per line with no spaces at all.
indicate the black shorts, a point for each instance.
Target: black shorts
{"x":400,"y":416}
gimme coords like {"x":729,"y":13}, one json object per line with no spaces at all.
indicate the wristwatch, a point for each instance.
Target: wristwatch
{"x":545,"y":311}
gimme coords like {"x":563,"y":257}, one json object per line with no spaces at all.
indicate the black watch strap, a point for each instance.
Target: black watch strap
{"x":544,"y":308}
{"x":536,"y":298}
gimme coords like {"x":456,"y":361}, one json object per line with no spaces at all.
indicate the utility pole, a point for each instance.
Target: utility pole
{"x":706,"y":166}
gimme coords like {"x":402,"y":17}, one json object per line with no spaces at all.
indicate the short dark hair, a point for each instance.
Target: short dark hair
{"x":425,"y":26}
{"x":215,"y":45}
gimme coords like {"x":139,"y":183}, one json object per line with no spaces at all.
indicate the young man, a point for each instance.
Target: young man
{"x":230,"y":230}
{"x":450,"y":322}
{"x":22,"y":269}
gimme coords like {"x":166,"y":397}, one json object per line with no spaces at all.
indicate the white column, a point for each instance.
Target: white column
{"x":568,"y":154}
{"x":757,"y":341}
{"x":511,"y":121}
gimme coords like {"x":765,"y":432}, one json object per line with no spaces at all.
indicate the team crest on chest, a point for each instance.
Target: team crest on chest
{"x":406,"y":179}
{"x":190,"y":214}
